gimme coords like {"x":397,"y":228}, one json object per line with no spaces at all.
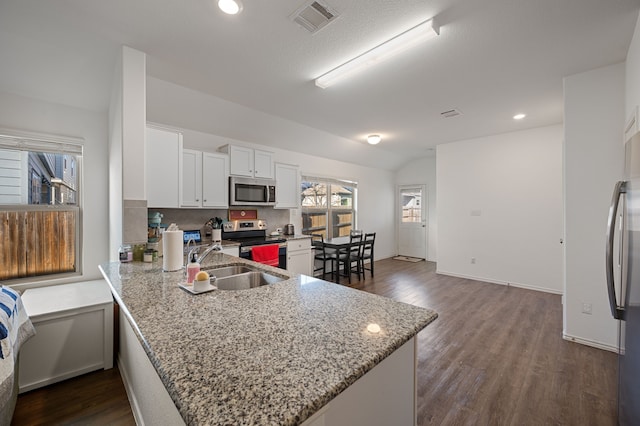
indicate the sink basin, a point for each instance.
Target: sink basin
{"x":246,"y":281}
{"x":241,"y":277}
{"x":228,"y":271}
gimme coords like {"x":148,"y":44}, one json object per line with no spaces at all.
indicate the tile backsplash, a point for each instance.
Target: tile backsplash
{"x":134,"y":221}
{"x":196,"y":218}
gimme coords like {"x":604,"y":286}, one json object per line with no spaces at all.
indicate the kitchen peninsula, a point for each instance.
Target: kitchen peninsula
{"x":282,"y":354}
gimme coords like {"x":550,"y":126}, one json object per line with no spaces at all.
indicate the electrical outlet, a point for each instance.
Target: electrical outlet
{"x":586,"y":308}
{"x":473,"y":260}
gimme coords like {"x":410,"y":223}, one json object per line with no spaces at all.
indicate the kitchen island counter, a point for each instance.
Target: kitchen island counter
{"x":269,"y":355}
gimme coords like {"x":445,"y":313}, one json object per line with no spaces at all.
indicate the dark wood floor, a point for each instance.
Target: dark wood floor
{"x":495,"y":356}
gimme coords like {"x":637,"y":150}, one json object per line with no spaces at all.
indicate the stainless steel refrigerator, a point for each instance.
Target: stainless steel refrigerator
{"x":623,"y":281}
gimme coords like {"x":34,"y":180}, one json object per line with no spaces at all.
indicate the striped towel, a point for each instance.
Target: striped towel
{"x":15,"y":329}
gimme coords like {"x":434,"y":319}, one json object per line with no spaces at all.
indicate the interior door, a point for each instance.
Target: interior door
{"x":412,"y":221}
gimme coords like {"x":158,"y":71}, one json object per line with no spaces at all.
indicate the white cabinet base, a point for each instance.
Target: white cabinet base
{"x":74,"y":333}
{"x":386,"y":395}
{"x":150,"y":401}
{"x":299,"y":256}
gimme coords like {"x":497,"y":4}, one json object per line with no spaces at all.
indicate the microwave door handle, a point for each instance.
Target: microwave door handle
{"x":618,"y":191}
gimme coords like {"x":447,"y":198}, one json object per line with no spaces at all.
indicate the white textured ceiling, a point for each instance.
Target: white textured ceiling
{"x":493,"y":58}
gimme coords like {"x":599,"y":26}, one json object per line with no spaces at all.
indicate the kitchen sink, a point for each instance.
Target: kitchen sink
{"x":241,"y":277}
{"x":246,"y":281}
{"x":228,"y":271}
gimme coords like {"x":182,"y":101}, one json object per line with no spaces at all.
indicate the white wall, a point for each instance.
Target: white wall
{"x":593,"y":162}
{"x":134,"y":115}
{"x":499,"y":201}
{"x":423,"y":171}
{"x":632,"y":75}
{"x":115,"y":163}
{"x":376,"y":187}
{"x":30,"y":114}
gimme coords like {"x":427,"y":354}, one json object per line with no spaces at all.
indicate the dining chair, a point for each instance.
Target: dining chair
{"x":367,"y":252}
{"x":346,"y":256}
{"x":317,"y":242}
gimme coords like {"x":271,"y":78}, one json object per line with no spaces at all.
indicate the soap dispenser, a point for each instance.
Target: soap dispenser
{"x":193,"y":267}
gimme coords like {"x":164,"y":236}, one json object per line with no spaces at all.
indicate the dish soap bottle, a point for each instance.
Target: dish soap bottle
{"x":193,"y":267}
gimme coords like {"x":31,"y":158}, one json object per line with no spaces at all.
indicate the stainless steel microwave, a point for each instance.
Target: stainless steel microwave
{"x":251,"y":192}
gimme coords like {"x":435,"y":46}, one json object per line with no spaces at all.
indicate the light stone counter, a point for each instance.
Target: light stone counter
{"x":270,"y":355}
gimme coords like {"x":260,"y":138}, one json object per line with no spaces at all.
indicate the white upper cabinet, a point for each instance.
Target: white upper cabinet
{"x":263,"y":164}
{"x":287,"y":186}
{"x":205,"y":179}
{"x":162,"y":176}
{"x":249,"y":162}
{"x":191,"y":178}
{"x":215,"y":180}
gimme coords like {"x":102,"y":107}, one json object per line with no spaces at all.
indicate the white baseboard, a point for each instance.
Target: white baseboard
{"x":592,"y":343}
{"x":131,"y":395}
{"x":492,"y":281}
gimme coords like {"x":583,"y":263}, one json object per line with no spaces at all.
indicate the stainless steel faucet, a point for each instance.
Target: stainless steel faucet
{"x":212,"y":247}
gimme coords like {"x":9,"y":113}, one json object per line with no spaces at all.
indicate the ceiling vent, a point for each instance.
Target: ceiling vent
{"x":451,"y":113}
{"x":313,"y":16}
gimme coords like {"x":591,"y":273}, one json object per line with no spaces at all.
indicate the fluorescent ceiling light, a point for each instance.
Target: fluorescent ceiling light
{"x":399,"y":43}
{"x":519,"y":116}
{"x":374,"y":139}
{"x":231,"y":7}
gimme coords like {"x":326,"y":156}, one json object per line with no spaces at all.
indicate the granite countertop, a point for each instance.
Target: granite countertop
{"x":272,"y":355}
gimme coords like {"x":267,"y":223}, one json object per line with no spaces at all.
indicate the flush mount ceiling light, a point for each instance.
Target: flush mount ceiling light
{"x":230,"y":7}
{"x":519,"y":116}
{"x":380,"y":53}
{"x":374,"y":139}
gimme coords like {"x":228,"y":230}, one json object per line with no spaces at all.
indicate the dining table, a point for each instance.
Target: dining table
{"x":339,"y":244}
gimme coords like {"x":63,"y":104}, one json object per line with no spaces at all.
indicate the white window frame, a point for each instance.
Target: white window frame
{"x":25,"y":141}
{"x":329,"y":210}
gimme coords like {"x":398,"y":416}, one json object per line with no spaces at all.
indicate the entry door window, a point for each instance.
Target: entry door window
{"x":411,"y":199}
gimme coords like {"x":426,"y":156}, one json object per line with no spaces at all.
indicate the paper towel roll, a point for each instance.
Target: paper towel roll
{"x":173,"y":250}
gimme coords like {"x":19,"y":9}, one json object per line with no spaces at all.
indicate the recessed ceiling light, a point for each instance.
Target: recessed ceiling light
{"x":231,"y":7}
{"x":519,"y":116}
{"x":374,"y":139}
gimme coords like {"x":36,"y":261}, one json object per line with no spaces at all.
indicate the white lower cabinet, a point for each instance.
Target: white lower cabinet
{"x":74,"y":332}
{"x":231,"y":250}
{"x":299,"y":256}
{"x":386,"y":395}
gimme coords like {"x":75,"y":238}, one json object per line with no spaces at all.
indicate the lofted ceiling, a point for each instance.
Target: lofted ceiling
{"x":492,"y":59}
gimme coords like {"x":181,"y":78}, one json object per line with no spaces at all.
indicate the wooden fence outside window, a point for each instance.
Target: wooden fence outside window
{"x":37,"y":242}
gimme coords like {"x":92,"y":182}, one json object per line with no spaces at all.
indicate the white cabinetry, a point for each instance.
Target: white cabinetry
{"x":299,"y":258}
{"x":386,"y":395}
{"x":74,"y":332}
{"x":287,"y":186}
{"x":162,"y":153}
{"x":231,"y":250}
{"x":249,"y":162}
{"x":204,"y":179}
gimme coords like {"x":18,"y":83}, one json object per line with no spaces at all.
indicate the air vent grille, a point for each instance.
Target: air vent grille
{"x":313,"y":16}
{"x":451,"y":113}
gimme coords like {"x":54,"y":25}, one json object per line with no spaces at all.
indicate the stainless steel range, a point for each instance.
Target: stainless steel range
{"x":251,"y":233}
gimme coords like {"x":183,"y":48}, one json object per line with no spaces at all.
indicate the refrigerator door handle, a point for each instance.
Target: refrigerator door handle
{"x":620,"y":188}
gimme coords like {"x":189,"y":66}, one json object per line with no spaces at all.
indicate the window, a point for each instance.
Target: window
{"x":328,"y":206}
{"x":411,"y":205}
{"x":39,"y":205}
